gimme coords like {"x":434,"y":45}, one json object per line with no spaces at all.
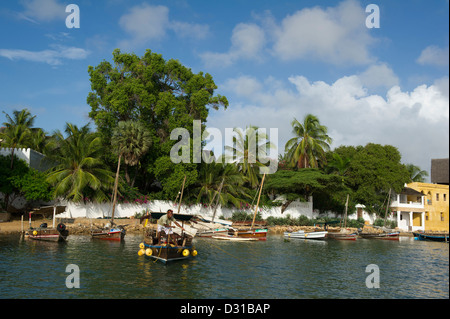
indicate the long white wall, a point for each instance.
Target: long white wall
{"x":91,"y":210}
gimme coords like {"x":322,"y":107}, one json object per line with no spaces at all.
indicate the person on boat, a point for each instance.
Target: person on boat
{"x":165,"y":224}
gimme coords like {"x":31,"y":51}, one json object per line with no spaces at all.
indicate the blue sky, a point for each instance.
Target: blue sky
{"x":273,"y":60}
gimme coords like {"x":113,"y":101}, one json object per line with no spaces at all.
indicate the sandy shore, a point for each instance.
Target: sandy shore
{"x":132,"y":226}
{"x":84,"y":225}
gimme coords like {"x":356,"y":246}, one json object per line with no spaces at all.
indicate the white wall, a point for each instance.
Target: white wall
{"x":91,"y":210}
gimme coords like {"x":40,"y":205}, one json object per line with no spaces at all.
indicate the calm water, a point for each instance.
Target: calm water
{"x":275,"y":269}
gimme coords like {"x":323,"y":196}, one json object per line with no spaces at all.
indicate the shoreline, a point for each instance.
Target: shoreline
{"x":83,"y":226}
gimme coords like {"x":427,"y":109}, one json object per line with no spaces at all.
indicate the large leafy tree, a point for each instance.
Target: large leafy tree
{"x":80,"y":171}
{"x":163,"y":95}
{"x":373,"y":170}
{"x":310,"y":143}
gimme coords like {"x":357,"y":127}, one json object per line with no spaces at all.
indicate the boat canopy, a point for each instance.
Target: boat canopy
{"x":157,"y":215}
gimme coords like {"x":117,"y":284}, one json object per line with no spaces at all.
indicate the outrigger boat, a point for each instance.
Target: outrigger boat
{"x":44,"y":233}
{"x":343,"y":233}
{"x":168,"y":247}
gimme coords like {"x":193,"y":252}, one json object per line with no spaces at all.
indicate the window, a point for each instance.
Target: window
{"x":426,"y":215}
{"x":445,"y":197}
{"x":442,"y":216}
{"x":437,"y":196}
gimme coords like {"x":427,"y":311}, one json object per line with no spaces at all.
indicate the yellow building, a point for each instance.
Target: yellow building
{"x":436,"y":205}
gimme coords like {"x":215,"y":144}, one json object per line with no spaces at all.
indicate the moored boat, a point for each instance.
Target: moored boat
{"x":383,"y":235}
{"x":342,"y":235}
{"x":301,"y":234}
{"x":44,"y":233}
{"x":432,"y":236}
{"x":115,"y":234}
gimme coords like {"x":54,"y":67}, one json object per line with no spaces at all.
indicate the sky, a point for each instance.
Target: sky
{"x":372,"y":71}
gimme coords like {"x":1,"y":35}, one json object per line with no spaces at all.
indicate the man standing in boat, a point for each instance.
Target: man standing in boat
{"x":165,"y":223}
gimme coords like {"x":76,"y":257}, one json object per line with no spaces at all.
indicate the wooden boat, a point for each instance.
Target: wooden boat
{"x":169,"y":247}
{"x":432,"y":236}
{"x":233,"y":238}
{"x":301,"y":234}
{"x":386,"y":234}
{"x":115,"y":234}
{"x":44,"y":233}
{"x":383,"y":235}
{"x":342,"y":235}
{"x":58,"y":234}
{"x":252,"y":232}
{"x":111,"y":233}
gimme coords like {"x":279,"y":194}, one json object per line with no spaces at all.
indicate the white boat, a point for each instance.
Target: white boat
{"x":301,"y":234}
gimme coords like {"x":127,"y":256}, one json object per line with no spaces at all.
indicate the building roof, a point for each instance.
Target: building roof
{"x":439,"y":171}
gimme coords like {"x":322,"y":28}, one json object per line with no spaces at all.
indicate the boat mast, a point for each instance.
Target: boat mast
{"x":116,"y":182}
{"x":257,"y":203}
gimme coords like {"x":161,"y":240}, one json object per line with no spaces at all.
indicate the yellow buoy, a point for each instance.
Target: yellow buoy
{"x":194,"y":253}
{"x":34,"y":233}
{"x":185,"y":252}
{"x":148,"y":252}
{"x":141,"y":246}
{"x":141,"y":252}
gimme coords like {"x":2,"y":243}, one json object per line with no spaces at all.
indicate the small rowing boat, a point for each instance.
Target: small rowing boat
{"x":301,"y":234}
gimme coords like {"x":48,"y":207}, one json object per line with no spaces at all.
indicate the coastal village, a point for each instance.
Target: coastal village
{"x":419,"y":207}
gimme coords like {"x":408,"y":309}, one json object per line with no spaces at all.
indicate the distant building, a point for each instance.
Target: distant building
{"x":439,"y":171}
{"x":31,"y":157}
{"x":409,"y":208}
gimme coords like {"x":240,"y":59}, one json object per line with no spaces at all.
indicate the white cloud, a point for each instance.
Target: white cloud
{"x":434,"y":55}
{"x":43,"y":10}
{"x":247,"y":41}
{"x":333,"y":35}
{"x":145,"y":23}
{"x":415,"y":122}
{"x":52,"y":56}
{"x":378,"y":76}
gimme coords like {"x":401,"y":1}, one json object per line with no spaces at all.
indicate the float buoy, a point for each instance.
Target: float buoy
{"x":141,"y":252}
{"x":185,"y":253}
{"x":194,"y":253}
{"x":148,"y":252}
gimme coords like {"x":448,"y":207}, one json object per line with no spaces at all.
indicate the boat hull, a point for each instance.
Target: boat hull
{"x":47,"y":234}
{"x":111,"y":234}
{"x":259,"y":234}
{"x":382,"y":236}
{"x":319,"y":235}
{"x":167,"y":248}
{"x":340,"y":236}
{"x":433,"y":237}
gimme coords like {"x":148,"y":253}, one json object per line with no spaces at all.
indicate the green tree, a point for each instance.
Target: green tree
{"x":7,"y":187}
{"x":17,"y":131}
{"x":163,"y":95}
{"x":249,"y":147}
{"x":80,"y":171}
{"x":307,"y":148}
{"x":221,"y":180}
{"x":301,"y":184}
{"x":373,"y":170}
{"x":33,"y":186}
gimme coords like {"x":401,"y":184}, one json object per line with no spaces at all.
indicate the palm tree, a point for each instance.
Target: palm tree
{"x":416,"y":174}
{"x":80,"y":171}
{"x":131,"y":140}
{"x":308,"y":147}
{"x":17,"y":132}
{"x":249,"y":148}
{"x":223,"y":181}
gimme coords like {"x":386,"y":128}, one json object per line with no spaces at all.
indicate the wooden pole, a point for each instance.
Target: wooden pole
{"x":181,"y":197}
{"x":257,"y":203}
{"x":116,"y":182}
{"x":345,"y":215}
{"x":218,"y":198}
